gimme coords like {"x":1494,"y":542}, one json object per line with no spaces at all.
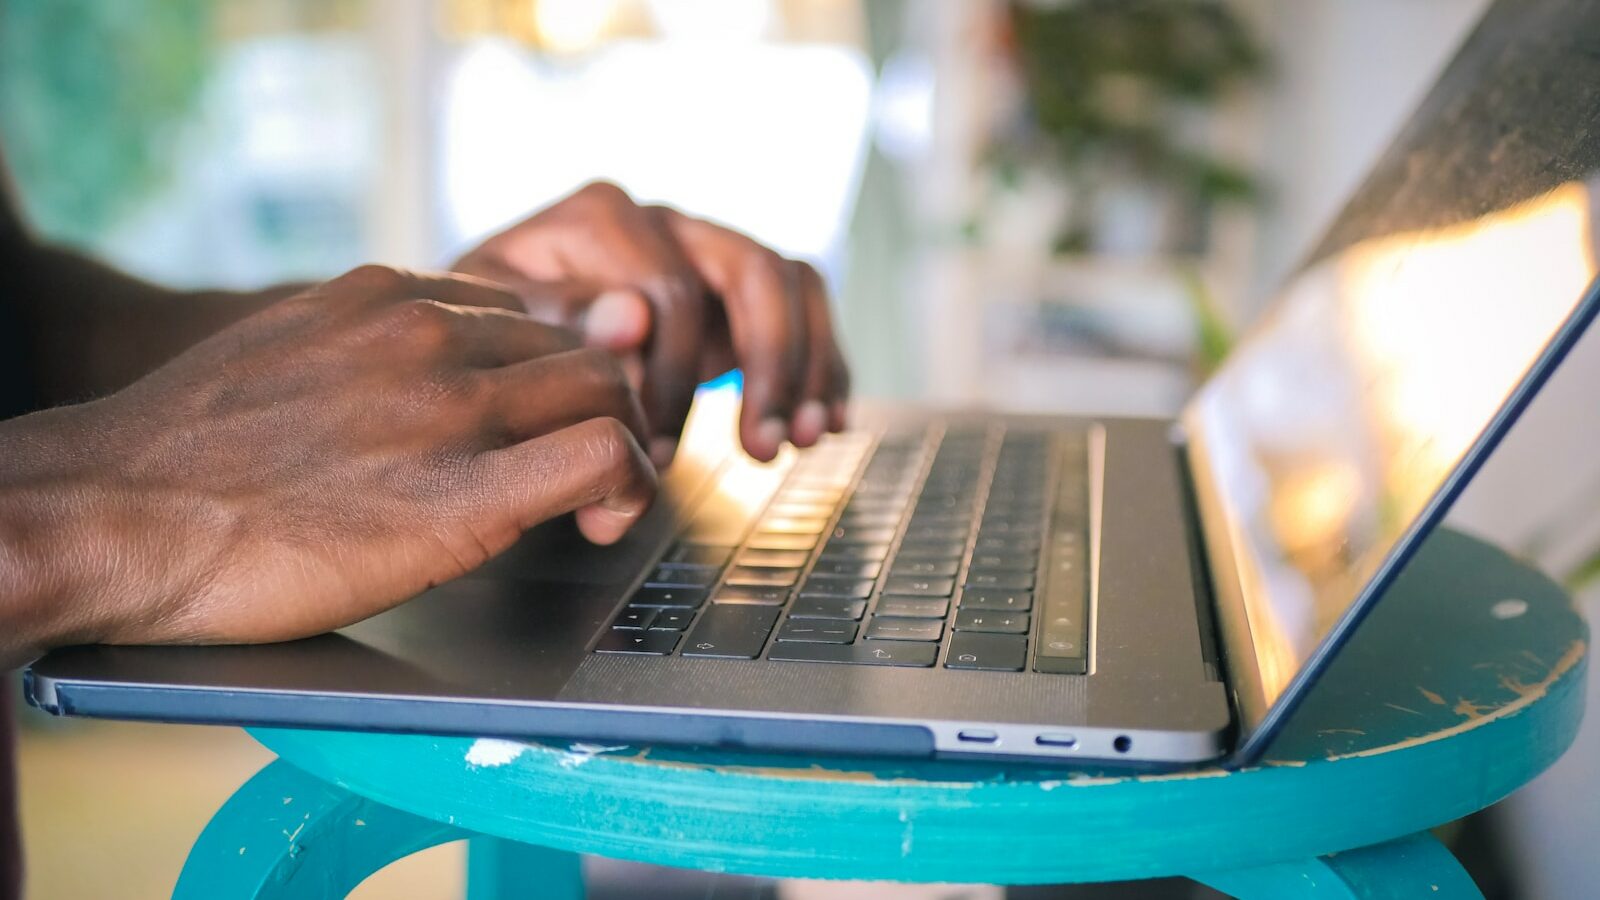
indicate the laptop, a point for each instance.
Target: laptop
{"x":1158,"y":593}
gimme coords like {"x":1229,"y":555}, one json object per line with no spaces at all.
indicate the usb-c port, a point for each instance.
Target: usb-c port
{"x":977,"y":736}
{"x":1064,"y":741}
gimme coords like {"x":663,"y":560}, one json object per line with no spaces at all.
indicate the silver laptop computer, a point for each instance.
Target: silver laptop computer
{"x":1152,"y":592}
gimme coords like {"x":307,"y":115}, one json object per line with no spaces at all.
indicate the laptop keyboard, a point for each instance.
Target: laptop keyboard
{"x":963,"y":548}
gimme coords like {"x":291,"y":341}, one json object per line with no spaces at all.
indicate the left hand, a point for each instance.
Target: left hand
{"x":681,"y":300}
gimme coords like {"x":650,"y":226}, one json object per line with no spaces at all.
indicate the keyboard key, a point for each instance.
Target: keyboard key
{"x":827,"y":608}
{"x":672,"y":620}
{"x":825,"y":586}
{"x":925,"y":568}
{"x":820,"y":496}
{"x":636,"y":617}
{"x":845,"y":568}
{"x":878,"y":503}
{"x":890,"y":628}
{"x":935,"y":550}
{"x":873,"y":552}
{"x":765,"y":541}
{"x":652,"y":643}
{"x":913,"y":607}
{"x":846,"y":534}
{"x":818,"y":631}
{"x":932,"y":533}
{"x":919,"y":587}
{"x":778,"y":559}
{"x":732,"y":631}
{"x":669,"y":596}
{"x":1005,"y":562}
{"x":755,"y":576}
{"x":869,"y":519}
{"x":997,"y":600}
{"x":993,"y":622}
{"x":800,"y":510}
{"x":699,"y":555}
{"x":995,"y":652}
{"x":1003,"y":526}
{"x":782,"y":525}
{"x":682,"y":576}
{"x":997,"y":544}
{"x":1008,"y":581}
{"x":880,"y":653}
{"x":751,"y":595}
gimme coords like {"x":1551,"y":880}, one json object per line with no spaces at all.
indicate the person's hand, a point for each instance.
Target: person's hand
{"x":311,"y":466}
{"x":688,"y":300}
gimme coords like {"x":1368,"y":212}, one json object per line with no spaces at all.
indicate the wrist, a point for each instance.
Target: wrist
{"x":46,"y":595}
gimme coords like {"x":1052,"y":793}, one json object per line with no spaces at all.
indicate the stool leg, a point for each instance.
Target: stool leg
{"x":503,"y":870}
{"x":285,"y":834}
{"x":1415,"y":866}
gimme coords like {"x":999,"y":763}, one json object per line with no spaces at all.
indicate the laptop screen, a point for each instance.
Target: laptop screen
{"x":1339,"y":429}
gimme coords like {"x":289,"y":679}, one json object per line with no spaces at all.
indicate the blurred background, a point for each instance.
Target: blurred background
{"x":1044,"y":206}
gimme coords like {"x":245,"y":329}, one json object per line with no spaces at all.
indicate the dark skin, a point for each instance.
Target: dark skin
{"x":325,"y":454}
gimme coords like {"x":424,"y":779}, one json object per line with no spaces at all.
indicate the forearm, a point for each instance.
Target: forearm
{"x":93,"y":329}
{"x":42,"y":602}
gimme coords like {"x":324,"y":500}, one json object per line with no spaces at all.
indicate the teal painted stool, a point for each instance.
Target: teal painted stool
{"x":1468,"y":684}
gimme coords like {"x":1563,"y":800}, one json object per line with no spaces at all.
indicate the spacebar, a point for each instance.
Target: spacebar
{"x":877,"y":653}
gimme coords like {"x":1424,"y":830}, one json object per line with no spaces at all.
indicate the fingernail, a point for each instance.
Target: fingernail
{"x":662,"y":450}
{"x":810,"y":422}
{"x":772,"y":432}
{"x":615,"y":319}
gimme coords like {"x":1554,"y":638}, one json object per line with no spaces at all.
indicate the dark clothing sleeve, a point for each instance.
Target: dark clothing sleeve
{"x":17,"y":394}
{"x":16,"y":398}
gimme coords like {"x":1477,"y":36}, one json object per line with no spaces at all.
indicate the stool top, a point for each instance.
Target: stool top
{"x":1465,"y":684}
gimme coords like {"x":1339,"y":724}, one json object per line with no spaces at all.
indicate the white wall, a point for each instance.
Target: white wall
{"x":1346,"y":73}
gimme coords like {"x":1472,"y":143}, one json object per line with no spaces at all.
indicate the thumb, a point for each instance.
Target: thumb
{"x":617,"y":320}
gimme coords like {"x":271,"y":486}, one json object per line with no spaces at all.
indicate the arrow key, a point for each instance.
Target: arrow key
{"x":650,"y":643}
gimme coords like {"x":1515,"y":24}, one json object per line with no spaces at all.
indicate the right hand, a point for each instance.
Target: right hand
{"x":312,"y":465}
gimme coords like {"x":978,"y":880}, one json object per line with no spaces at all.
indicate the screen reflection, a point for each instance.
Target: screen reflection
{"x":1324,"y":439}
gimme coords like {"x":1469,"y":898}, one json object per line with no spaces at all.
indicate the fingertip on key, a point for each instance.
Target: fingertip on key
{"x":810,"y":421}
{"x":770,"y":435}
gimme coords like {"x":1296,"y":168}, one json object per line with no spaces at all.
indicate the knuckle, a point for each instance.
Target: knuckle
{"x":676,"y":290}
{"x":602,"y":193}
{"x":616,"y":438}
{"x":424,"y":322}
{"x":805,"y":273}
{"x":615,"y":448}
{"x":373,"y":276}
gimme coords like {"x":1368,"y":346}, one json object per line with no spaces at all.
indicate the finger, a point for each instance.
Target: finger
{"x":825,"y":388}
{"x":372,"y":284}
{"x":617,"y":320}
{"x":594,"y":467}
{"x":767,"y":323}
{"x":677,"y":300}
{"x":491,"y":338}
{"x":549,"y":393}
